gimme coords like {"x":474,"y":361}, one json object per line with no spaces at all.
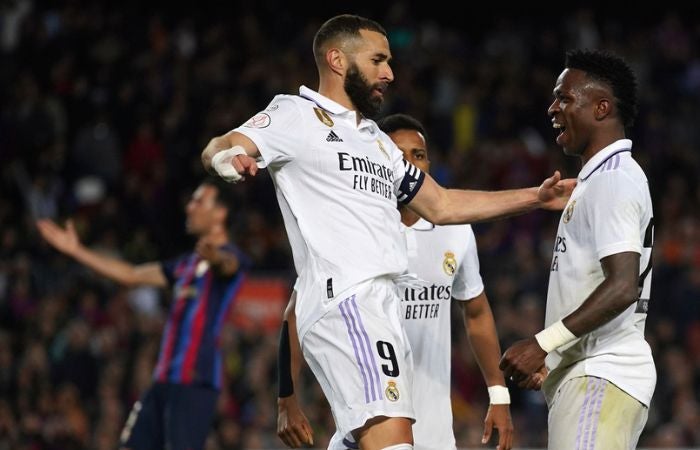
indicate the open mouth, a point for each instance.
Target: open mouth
{"x":561,"y":128}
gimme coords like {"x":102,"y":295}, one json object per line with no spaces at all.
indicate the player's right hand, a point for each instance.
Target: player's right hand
{"x":293,"y":427}
{"x":65,"y":240}
{"x":245,"y":165}
{"x":534,"y":381}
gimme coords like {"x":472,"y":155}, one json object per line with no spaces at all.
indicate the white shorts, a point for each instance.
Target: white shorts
{"x":360,"y":356}
{"x":590,"y":413}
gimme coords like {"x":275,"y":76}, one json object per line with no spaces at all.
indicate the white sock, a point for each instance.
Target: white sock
{"x":399,"y":447}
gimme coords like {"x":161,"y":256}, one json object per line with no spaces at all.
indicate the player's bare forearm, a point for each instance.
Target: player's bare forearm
{"x":483,"y":338}
{"x":615,"y":294}
{"x":452,"y":206}
{"x":66,"y":240}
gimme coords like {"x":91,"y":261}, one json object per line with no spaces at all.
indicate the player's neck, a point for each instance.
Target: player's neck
{"x":408,"y":217}
{"x":336,"y":92}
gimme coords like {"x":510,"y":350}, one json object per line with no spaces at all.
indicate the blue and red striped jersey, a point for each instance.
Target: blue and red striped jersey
{"x":189,"y":350}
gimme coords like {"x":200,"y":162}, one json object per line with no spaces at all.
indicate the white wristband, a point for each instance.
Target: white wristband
{"x":498,"y":395}
{"x":221,"y":162}
{"x":554,"y":336}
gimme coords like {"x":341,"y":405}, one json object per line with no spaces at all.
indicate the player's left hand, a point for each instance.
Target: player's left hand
{"x":207,"y":250}
{"x":554,"y":192}
{"x":293,"y":427}
{"x":522,"y":359}
{"x":498,"y":416}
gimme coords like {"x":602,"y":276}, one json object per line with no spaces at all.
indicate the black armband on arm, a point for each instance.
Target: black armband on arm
{"x":284,"y":364}
{"x":410,"y":184}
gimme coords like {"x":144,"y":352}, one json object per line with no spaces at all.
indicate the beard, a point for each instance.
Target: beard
{"x":360,"y":92}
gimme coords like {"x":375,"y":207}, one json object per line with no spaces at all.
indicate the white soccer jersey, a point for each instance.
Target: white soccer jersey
{"x":337,"y":185}
{"x":609,"y":212}
{"x":446,"y":258}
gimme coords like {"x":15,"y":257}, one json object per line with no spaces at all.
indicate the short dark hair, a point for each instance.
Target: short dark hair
{"x":395,"y":122}
{"x":342,"y":26}
{"x":224,"y":197}
{"x":612,"y":70}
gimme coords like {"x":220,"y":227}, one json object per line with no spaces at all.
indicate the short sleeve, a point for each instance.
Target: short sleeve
{"x":276,"y":130}
{"x":468,"y":283}
{"x":614,"y":205}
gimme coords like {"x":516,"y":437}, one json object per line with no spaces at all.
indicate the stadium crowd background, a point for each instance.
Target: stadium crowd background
{"x":105,"y":107}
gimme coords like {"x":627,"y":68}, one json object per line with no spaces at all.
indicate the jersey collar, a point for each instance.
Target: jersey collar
{"x":322,"y":101}
{"x":335,"y":108}
{"x":599,"y":158}
{"x":422,"y":225}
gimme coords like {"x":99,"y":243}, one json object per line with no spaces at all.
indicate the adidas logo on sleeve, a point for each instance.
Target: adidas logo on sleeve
{"x":332,"y":137}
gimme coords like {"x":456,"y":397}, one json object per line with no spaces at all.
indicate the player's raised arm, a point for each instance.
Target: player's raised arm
{"x":66,"y":241}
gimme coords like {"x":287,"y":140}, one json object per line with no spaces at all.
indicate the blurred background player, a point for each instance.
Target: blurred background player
{"x":445,"y":258}
{"x":177,"y":410}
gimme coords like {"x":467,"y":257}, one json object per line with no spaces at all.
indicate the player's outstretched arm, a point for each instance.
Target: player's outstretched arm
{"x":231,"y":156}
{"x":483,"y":339}
{"x":66,"y":241}
{"x":293,"y":427}
{"x":451,"y":206}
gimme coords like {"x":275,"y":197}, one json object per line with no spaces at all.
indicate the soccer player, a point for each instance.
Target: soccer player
{"x":601,"y":372}
{"x":338,"y":178}
{"x":446,"y":258}
{"x":177,"y":410}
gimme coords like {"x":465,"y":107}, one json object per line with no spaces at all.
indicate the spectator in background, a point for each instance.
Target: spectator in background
{"x":177,"y":410}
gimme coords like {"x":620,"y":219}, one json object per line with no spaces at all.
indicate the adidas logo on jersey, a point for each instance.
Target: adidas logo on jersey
{"x":332,"y":137}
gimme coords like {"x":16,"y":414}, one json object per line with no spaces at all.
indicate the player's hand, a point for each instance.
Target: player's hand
{"x":293,"y":427}
{"x":498,"y":416}
{"x":245,"y":165}
{"x":555,"y":192}
{"x":534,"y":382}
{"x":64,"y":240}
{"x":207,"y":250}
{"x":522,"y":359}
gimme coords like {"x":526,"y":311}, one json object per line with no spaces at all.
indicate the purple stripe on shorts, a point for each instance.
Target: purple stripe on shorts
{"x":591,"y":409}
{"x":598,"y":406}
{"x":365,"y":350}
{"x":582,"y":414}
{"x":373,"y":366}
{"x":354,"y":346}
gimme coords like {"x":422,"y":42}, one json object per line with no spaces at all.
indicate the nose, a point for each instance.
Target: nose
{"x":553,"y":108}
{"x":388,"y":74}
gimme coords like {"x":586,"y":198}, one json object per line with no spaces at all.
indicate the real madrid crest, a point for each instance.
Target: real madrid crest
{"x":391,"y":391}
{"x":569,"y":212}
{"x":449,"y":264}
{"x":323,"y":117}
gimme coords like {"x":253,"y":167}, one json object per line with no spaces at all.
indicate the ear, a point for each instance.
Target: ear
{"x":603,"y":108}
{"x":336,"y":60}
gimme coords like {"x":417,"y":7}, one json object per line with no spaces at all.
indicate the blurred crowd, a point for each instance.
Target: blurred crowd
{"x":104,"y":110}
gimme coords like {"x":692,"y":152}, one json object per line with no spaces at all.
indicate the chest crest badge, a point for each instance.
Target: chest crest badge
{"x":382,"y":149}
{"x":449,"y":264}
{"x":569,"y":212}
{"x":323,"y":117}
